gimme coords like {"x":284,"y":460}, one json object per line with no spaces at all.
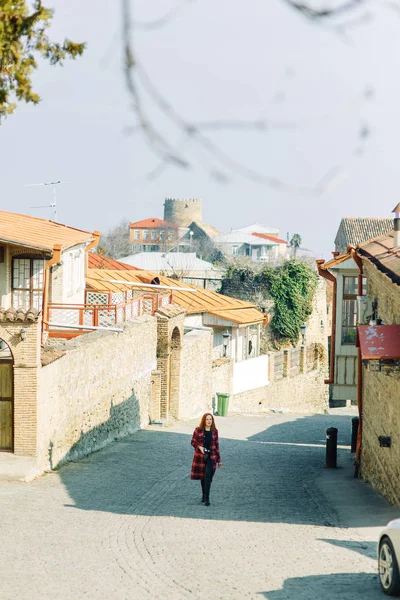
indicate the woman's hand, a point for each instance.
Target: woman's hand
{"x":201,"y":449}
{"x":219,"y":465}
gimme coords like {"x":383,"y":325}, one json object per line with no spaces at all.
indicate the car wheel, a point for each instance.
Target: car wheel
{"x":388,"y":568}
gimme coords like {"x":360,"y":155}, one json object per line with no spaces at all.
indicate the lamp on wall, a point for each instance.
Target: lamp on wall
{"x":22,"y":334}
{"x":303,"y":329}
{"x":225,"y":341}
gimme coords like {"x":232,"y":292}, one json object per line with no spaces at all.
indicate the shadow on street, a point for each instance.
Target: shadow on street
{"x":265,"y":478}
{"x":343,"y":586}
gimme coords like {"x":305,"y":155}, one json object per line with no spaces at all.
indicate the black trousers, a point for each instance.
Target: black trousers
{"x":206,"y":482}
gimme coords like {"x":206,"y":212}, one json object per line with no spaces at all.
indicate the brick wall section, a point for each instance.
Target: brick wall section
{"x":155,"y":413}
{"x":169,"y":342}
{"x":99,"y":391}
{"x":381,"y":395}
{"x":196,"y":380}
{"x":26,"y":355}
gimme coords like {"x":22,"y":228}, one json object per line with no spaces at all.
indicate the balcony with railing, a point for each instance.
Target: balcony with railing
{"x":102,"y":310}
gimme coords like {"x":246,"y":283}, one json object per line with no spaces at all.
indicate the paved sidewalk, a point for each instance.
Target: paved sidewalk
{"x":17,"y":468}
{"x":127,"y":522}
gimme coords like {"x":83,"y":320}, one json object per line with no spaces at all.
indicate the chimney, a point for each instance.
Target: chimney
{"x":396,"y":240}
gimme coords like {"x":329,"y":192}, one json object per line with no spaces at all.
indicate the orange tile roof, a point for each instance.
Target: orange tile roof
{"x":99,"y":261}
{"x":39,"y":234}
{"x":152,"y":223}
{"x":272,"y":238}
{"x":334,"y":261}
{"x":242,"y":316}
{"x":200,"y":301}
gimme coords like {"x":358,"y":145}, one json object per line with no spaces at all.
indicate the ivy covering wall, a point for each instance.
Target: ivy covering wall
{"x":290,"y":286}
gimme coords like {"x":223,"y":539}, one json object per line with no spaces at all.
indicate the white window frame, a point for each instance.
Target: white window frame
{"x":136,"y":235}
{"x":235,"y":250}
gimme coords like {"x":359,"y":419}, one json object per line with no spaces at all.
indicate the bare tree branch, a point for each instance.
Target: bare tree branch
{"x":320,"y":14}
{"x":158,"y":143}
{"x":164,"y":19}
{"x":138,"y":81}
{"x":210,"y":146}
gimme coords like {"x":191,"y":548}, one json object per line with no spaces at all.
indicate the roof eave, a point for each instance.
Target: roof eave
{"x":29,"y":246}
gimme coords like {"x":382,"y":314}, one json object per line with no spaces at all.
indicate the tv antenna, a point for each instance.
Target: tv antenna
{"x":53,"y":205}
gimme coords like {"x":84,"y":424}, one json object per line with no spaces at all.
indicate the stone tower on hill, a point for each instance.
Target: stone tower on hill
{"x":182,"y":212}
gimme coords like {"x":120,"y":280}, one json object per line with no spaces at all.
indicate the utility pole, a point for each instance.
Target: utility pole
{"x":53,"y":205}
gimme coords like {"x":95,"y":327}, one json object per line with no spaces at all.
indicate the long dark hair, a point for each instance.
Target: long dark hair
{"x":203,"y":422}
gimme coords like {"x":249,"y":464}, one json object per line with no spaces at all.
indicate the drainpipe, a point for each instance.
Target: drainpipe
{"x":93,"y":244}
{"x":56,"y":258}
{"x":327,"y":275}
{"x":355,"y":256}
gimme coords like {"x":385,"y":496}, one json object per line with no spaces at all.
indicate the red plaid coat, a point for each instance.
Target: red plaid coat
{"x":198,"y":464}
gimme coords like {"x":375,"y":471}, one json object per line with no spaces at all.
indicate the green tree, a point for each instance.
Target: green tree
{"x":292,"y":288}
{"x":295,"y":243}
{"x":22,"y":38}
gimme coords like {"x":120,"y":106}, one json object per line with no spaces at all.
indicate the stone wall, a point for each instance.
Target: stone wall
{"x":221,"y":378}
{"x":381,"y":398}
{"x":291,"y":389}
{"x":196,"y":381}
{"x":98,"y":391}
{"x":387,"y":293}
{"x":182,"y":211}
{"x":381,"y":416}
{"x":304,"y":393}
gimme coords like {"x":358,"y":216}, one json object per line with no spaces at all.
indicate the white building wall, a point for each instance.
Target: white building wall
{"x":68,"y":277}
{"x":250,"y":374}
{"x":194,"y":320}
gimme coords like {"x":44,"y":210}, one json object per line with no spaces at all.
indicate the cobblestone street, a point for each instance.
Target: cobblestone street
{"x":127,"y":522}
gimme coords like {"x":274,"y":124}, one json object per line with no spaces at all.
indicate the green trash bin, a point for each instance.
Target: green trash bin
{"x":223,"y":404}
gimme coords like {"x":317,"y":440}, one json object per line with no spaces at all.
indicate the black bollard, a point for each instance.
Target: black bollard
{"x":354,"y":431}
{"x":331,"y":447}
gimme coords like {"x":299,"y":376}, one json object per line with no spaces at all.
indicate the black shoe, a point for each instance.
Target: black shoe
{"x":207,"y":503}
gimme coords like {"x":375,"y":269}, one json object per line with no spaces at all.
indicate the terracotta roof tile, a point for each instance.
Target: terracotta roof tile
{"x":18,"y":314}
{"x":200,"y":301}
{"x":49,"y":355}
{"x":272,"y":238}
{"x":241,"y":316}
{"x":40,"y":234}
{"x":99,"y":261}
{"x":152,"y":223}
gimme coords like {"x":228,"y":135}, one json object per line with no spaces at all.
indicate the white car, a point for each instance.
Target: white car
{"x":388,"y":551}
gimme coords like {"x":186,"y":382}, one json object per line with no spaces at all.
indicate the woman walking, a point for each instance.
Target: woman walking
{"x":206,"y":454}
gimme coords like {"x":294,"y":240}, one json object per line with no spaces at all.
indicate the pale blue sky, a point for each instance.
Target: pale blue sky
{"x":229,"y":59}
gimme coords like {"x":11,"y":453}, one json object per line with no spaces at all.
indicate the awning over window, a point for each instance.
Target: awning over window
{"x":379,"y":341}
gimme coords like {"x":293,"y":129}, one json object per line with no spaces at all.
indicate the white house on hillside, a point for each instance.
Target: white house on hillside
{"x":186,"y":266}
{"x":258,"y":242}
